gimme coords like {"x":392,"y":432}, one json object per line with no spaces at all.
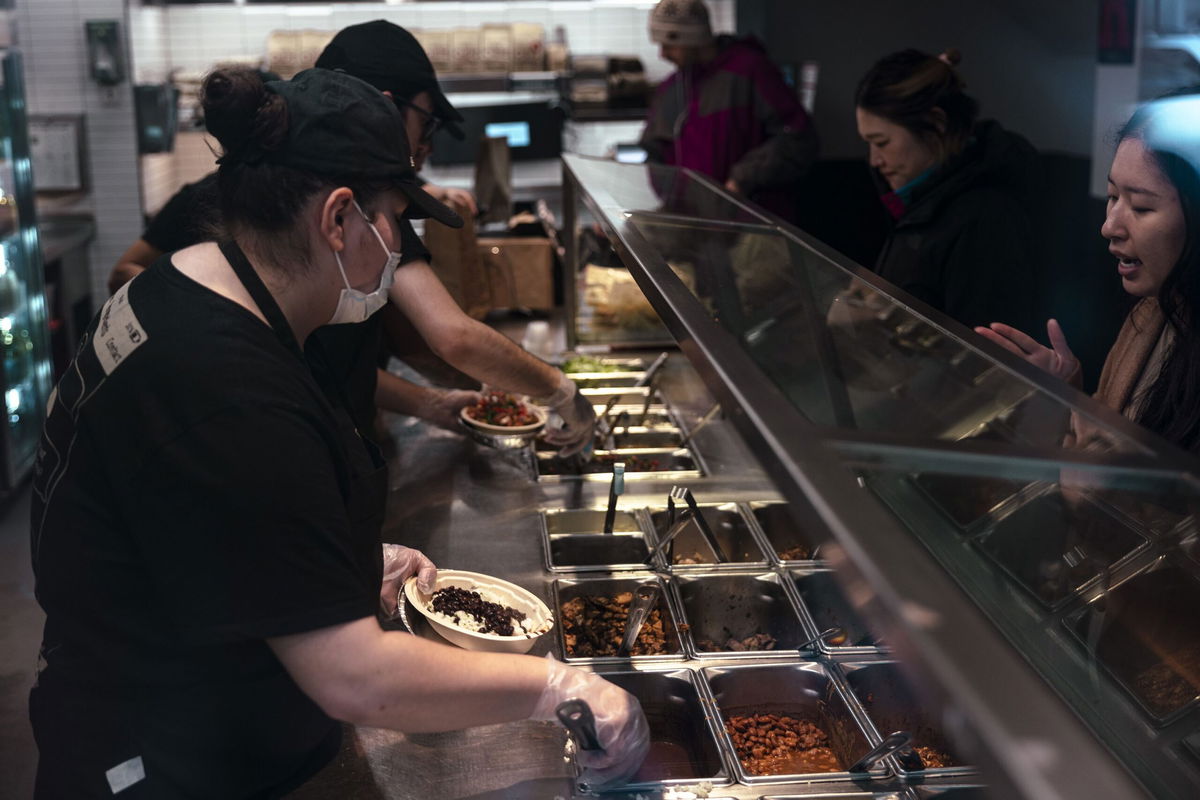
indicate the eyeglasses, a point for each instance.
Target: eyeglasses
{"x":430,"y":121}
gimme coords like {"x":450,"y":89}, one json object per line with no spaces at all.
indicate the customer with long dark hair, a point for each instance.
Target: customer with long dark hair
{"x":957,"y":190}
{"x":1152,"y":373}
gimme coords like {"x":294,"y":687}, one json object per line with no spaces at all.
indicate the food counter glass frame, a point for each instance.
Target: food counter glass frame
{"x":1003,"y":661}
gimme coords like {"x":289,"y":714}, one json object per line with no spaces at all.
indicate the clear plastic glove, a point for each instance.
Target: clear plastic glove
{"x":620,"y":724}
{"x":399,"y":564}
{"x":578,"y":416}
{"x":442,"y":407}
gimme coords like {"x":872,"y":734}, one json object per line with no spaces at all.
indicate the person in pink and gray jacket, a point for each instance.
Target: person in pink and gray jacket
{"x":726,"y":112}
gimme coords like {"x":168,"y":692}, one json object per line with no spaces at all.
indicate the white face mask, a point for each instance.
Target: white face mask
{"x":354,"y":305}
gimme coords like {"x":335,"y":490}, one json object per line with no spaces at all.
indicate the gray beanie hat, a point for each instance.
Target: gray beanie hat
{"x":681,"y":22}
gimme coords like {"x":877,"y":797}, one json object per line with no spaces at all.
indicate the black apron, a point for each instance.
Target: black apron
{"x":367,"y":494}
{"x":117,"y":729}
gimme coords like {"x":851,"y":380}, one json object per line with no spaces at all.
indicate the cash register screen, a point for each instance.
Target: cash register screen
{"x":517,"y":133}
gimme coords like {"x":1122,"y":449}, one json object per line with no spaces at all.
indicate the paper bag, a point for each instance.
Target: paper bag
{"x":520,"y":271}
{"x":456,"y":262}
{"x":493,"y":180}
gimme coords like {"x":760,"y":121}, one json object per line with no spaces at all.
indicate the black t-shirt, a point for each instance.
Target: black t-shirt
{"x":192,"y":497}
{"x":188,"y":218}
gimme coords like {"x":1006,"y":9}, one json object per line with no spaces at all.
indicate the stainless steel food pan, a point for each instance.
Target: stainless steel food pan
{"x":659,"y":463}
{"x":785,"y":540}
{"x":723,"y":610}
{"x":823,"y":605}
{"x":690,"y":552}
{"x":1145,"y":633}
{"x":567,"y":589}
{"x":635,"y":437}
{"x":683,"y":742}
{"x":890,"y":705}
{"x":803,"y":691}
{"x":1051,"y":545}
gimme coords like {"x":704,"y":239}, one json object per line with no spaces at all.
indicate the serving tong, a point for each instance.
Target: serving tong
{"x":644,"y":599}
{"x":890,"y":744}
{"x":677,"y":523}
{"x":616,"y":488}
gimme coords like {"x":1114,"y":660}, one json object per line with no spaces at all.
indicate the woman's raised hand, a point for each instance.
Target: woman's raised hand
{"x":1057,"y":359}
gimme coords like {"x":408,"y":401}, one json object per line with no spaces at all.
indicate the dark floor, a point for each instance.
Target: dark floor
{"x":20,"y":633}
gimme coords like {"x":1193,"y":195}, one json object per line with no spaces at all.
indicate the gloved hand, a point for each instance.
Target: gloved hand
{"x":620,"y":724}
{"x":399,"y":563}
{"x":442,"y":407}
{"x":578,"y":416}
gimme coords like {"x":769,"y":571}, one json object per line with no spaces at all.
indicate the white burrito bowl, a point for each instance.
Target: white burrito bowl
{"x":507,"y":430}
{"x":490,"y":588}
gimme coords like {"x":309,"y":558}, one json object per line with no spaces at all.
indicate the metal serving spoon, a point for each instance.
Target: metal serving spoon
{"x":890,"y":744}
{"x":644,"y":598}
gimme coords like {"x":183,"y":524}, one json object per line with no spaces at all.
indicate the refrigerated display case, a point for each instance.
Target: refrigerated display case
{"x":25,"y":367}
{"x":1028,"y":556}
{"x":605,"y":307}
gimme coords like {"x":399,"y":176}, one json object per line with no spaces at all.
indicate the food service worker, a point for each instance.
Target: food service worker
{"x":390,"y":58}
{"x":205,"y":530}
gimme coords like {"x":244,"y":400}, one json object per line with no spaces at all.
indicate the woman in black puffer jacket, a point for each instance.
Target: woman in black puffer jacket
{"x":959,"y":192}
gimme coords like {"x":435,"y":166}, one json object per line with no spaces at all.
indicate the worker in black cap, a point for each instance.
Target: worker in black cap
{"x":204,"y":533}
{"x":391,"y":59}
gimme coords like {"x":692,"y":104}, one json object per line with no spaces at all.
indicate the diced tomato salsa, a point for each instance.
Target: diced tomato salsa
{"x":502,"y":408}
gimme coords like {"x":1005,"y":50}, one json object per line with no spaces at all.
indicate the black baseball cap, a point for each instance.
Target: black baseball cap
{"x":392,"y":60}
{"x":343,"y":128}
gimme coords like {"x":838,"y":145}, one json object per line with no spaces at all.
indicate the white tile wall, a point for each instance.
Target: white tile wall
{"x":194,"y":37}
{"x":51,"y":35}
{"x":164,"y":173}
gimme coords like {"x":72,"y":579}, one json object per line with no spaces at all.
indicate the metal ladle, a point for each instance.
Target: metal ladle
{"x":644,"y":598}
{"x":890,"y":744}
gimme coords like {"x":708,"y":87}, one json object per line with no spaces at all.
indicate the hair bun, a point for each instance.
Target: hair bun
{"x":951,"y":57}
{"x":240,"y":112}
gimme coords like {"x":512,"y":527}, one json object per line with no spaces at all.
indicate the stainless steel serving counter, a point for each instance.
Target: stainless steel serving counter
{"x":476,"y":508}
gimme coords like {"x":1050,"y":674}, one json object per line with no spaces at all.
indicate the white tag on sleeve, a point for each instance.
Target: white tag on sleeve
{"x":119,"y":333}
{"x":126,"y":774}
